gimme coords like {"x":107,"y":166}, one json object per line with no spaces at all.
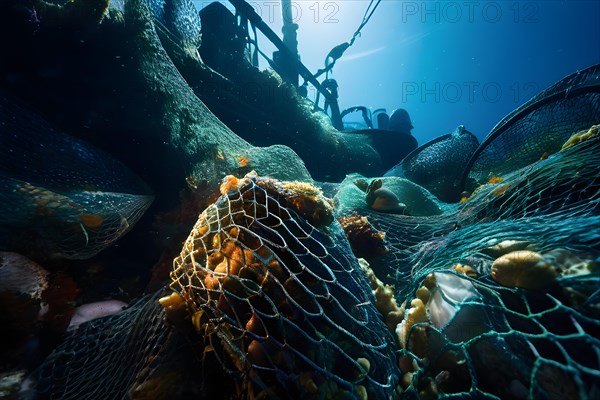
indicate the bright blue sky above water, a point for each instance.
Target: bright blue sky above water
{"x":447,"y":62}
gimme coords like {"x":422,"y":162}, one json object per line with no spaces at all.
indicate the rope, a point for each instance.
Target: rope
{"x":339,"y":50}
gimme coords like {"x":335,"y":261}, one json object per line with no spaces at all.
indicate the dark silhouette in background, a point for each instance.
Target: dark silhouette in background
{"x":392,"y":138}
{"x":400,"y":122}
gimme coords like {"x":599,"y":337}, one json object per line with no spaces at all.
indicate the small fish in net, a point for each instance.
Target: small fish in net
{"x":60,"y":196}
{"x":502,"y":289}
{"x":267,"y":285}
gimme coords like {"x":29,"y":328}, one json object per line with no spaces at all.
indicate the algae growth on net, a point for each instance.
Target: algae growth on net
{"x":467,"y":270}
{"x":495,"y":297}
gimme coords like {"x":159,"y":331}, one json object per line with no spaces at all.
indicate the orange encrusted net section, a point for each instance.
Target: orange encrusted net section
{"x":287,"y":311}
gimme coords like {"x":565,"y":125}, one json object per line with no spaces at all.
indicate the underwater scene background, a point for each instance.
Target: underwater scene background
{"x":448,"y":63}
{"x":194,"y":205}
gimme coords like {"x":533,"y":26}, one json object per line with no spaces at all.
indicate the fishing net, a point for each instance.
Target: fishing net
{"x":266,"y":285}
{"x":438,"y":165}
{"x":482,"y":321}
{"x":539,"y":127}
{"x":500,"y":292}
{"x":281,"y":298}
{"x":269,"y":288}
{"x":59,"y":195}
{"x":530,"y":344}
{"x":134,"y":354}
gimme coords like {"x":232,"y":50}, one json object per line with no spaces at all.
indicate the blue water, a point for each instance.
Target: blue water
{"x":90,"y":109}
{"x":447,"y":62}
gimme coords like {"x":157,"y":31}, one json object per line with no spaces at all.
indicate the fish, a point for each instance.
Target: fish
{"x":61,"y":196}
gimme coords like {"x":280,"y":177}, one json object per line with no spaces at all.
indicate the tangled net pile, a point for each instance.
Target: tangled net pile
{"x":280,"y":301}
{"x":60,"y":196}
{"x":499,"y":294}
{"x":481,"y":326}
{"x":267,"y":285}
{"x":502,"y":289}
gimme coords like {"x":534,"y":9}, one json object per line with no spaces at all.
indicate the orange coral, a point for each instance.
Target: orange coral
{"x":46,"y":201}
{"x":500,"y":190}
{"x":465,"y":196}
{"x":364,"y":239}
{"x":465,"y":269}
{"x":230,"y":183}
{"x":242,"y":160}
{"x":91,"y":220}
{"x":305,"y":198}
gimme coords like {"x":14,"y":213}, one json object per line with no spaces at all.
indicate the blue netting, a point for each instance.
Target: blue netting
{"x":282,"y":299}
{"x":496,"y":340}
{"x":59,"y":195}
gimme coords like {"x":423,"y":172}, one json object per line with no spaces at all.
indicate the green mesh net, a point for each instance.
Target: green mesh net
{"x":539,"y":127}
{"x":479,"y":331}
{"x":438,"y":165}
{"x":279,"y":302}
{"x":131,"y":355}
{"x":284,"y":304}
{"x":60,"y":196}
{"x":499,"y":294}
{"x":271,"y":294}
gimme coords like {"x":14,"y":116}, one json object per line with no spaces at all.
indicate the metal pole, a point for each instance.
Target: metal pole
{"x":245,"y":8}
{"x":290,"y":39}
